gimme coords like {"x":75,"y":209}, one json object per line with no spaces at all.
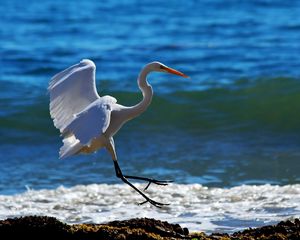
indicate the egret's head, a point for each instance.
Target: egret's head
{"x":159,"y":67}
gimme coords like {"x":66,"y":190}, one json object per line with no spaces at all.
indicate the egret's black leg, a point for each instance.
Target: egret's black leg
{"x":124,"y":179}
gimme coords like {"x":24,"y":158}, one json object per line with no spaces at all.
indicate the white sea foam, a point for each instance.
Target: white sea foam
{"x":193,"y":205}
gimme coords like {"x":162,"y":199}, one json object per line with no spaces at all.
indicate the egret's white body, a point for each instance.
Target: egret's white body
{"x":88,"y":122}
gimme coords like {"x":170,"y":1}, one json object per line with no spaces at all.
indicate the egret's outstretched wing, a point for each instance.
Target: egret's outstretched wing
{"x":92,"y":121}
{"x":71,"y":91}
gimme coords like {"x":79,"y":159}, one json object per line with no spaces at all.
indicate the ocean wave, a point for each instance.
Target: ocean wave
{"x":244,"y":106}
{"x":191,"y":205}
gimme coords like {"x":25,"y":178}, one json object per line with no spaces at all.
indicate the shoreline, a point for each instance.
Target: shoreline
{"x":136,"y":228}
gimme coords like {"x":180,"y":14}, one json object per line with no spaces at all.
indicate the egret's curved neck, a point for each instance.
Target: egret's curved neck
{"x":146,"y":91}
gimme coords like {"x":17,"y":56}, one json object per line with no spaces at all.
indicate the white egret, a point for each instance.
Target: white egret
{"x":88,"y":122}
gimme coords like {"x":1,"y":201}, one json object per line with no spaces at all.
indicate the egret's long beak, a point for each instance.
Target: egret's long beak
{"x":173,"y":71}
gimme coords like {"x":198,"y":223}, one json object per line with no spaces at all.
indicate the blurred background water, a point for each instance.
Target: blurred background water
{"x":235,"y":122}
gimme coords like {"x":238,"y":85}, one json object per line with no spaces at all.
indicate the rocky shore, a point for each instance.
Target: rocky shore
{"x":39,"y":227}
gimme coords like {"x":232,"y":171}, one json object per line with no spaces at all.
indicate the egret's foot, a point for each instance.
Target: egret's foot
{"x":154,"y":203}
{"x":124,"y":178}
{"x":158,"y":182}
{"x":150,"y":180}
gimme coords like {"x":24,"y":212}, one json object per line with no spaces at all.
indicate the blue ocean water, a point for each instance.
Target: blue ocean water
{"x":234,"y":122}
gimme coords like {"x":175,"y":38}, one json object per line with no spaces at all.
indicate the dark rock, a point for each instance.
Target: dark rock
{"x":164,"y":229}
{"x":33,"y":226}
{"x":39,"y":227}
{"x":283,"y":230}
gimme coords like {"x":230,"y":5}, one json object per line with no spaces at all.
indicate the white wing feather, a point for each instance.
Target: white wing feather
{"x":76,"y":108}
{"x":92,"y":121}
{"x":71,"y":91}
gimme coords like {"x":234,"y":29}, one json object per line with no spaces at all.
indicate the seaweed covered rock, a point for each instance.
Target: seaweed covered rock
{"x":32,"y":226}
{"x":137,"y":228}
{"x":283,"y":230}
{"x":38,"y":227}
{"x":42,"y":226}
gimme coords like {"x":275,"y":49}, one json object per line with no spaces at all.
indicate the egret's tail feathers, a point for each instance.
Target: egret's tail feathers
{"x":71,"y":147}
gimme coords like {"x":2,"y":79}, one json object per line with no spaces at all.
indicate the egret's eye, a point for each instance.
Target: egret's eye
{"x":162,"y":67}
